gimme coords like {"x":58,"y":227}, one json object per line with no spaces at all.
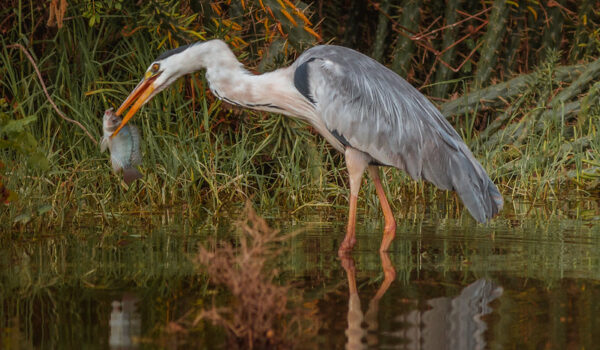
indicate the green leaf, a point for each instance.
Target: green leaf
{"x":16,"y":125}
{"x":22,"y":218}
{"x":42,"y":209}
{"x":38,"y":160}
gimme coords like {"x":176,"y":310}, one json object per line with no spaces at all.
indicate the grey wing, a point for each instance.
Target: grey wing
{"x":136,"y":153}
{"x":370,"y":108}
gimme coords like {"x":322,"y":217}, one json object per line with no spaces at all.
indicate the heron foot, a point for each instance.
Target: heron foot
{"x":346,"y":247}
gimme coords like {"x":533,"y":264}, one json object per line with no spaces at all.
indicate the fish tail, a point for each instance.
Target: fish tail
{"x":130,"y":175}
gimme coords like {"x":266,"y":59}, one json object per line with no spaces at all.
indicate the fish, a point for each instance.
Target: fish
{"x":124,"y":148}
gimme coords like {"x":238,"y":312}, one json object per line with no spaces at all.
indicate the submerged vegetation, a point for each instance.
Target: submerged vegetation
{"x":517,"y":79}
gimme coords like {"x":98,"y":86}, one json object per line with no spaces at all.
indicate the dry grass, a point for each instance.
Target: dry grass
{"x":261,"y":313}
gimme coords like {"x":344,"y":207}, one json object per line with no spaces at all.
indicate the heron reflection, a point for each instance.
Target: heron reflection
{"x":449,"y":322}
{"x":125,"y":323}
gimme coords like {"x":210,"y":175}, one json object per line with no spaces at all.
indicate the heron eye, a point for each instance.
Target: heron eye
{"x":155,"y":67}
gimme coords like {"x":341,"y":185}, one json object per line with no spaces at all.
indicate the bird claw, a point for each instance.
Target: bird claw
{"x":346,"y":248}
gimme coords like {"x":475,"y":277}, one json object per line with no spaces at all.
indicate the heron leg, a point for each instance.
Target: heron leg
{"x":356,"y":162}
{"x":389,"y":231}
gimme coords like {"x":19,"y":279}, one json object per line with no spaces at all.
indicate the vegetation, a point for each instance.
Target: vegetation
{"x":262,"y":313}
{"x":56,"y":289}
{"x":518,"y":79}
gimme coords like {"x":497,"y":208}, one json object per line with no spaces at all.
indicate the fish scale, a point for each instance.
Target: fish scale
{"x":124,"y":148}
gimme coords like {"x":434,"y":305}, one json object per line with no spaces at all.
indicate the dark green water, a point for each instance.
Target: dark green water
{"x":449,"y":284}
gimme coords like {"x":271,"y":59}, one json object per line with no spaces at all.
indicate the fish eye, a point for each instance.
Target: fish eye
{"x":155,"y":68}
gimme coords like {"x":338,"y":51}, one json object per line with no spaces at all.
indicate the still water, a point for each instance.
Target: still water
{"x":445,"y":284}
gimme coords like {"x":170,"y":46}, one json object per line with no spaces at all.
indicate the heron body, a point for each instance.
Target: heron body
{"x":362,"y":108}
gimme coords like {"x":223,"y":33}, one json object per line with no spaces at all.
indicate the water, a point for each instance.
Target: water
{"x":446,"y":284}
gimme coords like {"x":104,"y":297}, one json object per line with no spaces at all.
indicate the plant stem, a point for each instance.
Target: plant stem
{"x":37,"y":71}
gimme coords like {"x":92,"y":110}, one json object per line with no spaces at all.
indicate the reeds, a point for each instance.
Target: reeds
{"x":535,"y":133}
{"x":496,"y":28}
{"x":404,"y":48}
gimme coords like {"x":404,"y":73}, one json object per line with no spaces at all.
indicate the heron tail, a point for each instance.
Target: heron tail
{"x":482,"y":202}
{"x":458,"y":170}
{"x":476,"y":190}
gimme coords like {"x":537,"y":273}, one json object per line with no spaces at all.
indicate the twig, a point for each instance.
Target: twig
{"x":424,"y":34}
{"x":61,"y":114}
{"x":418,"y":37}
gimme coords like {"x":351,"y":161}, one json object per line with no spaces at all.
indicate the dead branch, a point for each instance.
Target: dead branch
{"x":61,"y":114}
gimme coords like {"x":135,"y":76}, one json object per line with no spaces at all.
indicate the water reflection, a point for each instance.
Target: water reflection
{"x":356,"y":333}
{"x":448,"y":323}
{"x":451,"y":323}
{"x":125,"y":323}
{"x":56,"y":290}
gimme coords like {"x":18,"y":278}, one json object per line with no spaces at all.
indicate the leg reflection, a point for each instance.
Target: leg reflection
{"x":357,"y":337}
{"x":448,"y":322}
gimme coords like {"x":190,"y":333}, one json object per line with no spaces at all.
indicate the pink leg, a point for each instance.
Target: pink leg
{"x":389,"y":231}
{"x":350,"y":239}
{"x":356,"y":162}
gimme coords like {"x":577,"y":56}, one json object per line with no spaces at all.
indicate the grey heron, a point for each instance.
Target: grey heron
{"x":363,"y":109}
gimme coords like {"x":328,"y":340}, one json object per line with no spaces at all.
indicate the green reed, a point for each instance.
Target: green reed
{"x":201,"y":155}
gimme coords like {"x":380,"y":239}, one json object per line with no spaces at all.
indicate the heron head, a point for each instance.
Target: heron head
{"x":161,"y":73}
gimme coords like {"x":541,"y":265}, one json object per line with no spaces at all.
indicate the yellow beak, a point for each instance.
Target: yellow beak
{"x":139,"y":95}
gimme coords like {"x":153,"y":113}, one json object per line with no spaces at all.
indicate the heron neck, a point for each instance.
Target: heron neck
{"x":231,"y":82}
{"x":272,"y":92}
